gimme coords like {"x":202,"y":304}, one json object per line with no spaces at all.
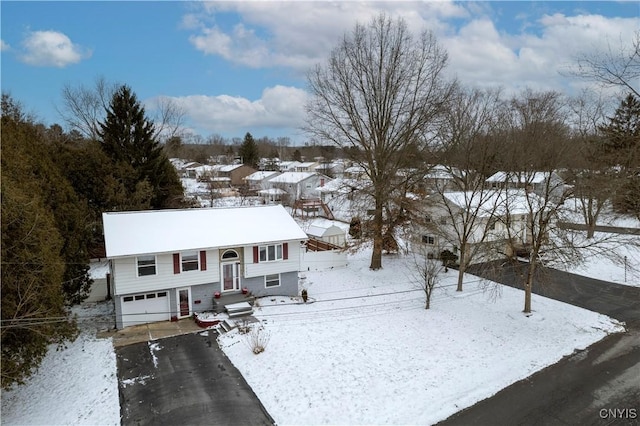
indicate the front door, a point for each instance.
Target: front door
{"x":184,"y":302}
{"x":231,"y":276}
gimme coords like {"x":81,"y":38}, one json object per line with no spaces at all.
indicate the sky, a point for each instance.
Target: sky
{"x":238,"y":67}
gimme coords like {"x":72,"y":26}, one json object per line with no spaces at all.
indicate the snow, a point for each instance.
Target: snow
{"x":77,"y":385}
{"x":164,"y":231}
{"x":367,"y":352}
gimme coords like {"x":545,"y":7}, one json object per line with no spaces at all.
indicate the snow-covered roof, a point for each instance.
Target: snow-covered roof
{"x":318,"y":227}
{"x":163,"y":231}
{"x":443,"y":172}
{"x":292,"y":177}
{"x":261,"y":175}
{"x":489,"y":203}
{"x":521,"y":177}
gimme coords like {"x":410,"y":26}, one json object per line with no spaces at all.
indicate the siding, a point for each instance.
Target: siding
{"x":126,"y":279}
{"x":203,"y":293}
{"x":288,"y":285}
{"x":292,"y":264}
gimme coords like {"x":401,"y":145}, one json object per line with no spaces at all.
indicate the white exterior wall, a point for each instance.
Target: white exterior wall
{"x":126,"y":279}
{"x":292,"y":264}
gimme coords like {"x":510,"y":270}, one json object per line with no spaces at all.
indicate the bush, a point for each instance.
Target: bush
{"x":257,"y":339}
{"x":448,"y":258}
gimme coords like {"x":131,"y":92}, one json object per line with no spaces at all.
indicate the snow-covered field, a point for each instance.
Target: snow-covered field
{"x":365,"y":351}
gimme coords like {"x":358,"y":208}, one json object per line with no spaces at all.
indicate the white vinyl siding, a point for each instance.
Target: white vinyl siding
{"x":292,"y":263}
{"x":126,"y":280}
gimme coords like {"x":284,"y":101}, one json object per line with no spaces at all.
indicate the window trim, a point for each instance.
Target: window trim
{"x":154,"y":265}
{"x":266,"y":280}
{"x":195,"y":261}
{"x":278,"y":253}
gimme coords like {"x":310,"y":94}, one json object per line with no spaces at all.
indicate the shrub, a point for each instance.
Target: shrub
{"x":257,"y":339}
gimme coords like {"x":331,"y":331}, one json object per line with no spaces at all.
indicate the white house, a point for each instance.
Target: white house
{"x":258,"y":180}
{"x":298,"y":185}
{"x":544,"y":184}
{"x":167,"y":264}
{"x":500,"y":225}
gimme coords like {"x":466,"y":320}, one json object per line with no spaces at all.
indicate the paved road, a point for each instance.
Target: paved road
{"x":184,"y":380}
{"x":597,"y":386}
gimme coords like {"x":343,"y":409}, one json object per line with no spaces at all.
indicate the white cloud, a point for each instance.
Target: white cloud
{"x":4,"y":46}
{"x":298,"y":35}
{"x":279,"y":107}
{"x":51,"y":48}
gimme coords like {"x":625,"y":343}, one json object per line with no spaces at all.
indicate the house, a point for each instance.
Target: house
{"x":543,"y":184}
{"x":168,"y":264}
{"x":234,"y":172}
{"x":288,"y":166}
{"x":307,"y":166}
{"x":298,"y":185}
{"x":441,"y":178}
{"x":499,"y":228}
{"x":258,"y":181}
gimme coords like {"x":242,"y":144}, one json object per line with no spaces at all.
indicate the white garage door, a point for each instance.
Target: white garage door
{"x":144,"y":308}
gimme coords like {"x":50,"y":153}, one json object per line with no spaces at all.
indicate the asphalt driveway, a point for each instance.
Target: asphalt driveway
{"x":184,"y":379}
{"x":597,"y":386}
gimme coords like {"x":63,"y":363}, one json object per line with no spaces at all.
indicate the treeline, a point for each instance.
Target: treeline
{"x":55,"y":186}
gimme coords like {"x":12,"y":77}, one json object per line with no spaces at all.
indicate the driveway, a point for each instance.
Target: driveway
{"x":597,"y":386}
{"x":184,"y":379}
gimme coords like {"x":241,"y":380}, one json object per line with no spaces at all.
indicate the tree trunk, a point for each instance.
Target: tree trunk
{"x":528,"y":286}
{"x":463,"y":264}
{"x":376,"y":256}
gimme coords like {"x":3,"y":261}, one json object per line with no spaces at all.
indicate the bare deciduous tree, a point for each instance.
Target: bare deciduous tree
{"x":380,"y":91}
{"x":614,"y":67}
{"x":426,"y":272}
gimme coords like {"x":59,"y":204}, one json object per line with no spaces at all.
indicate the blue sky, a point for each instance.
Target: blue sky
{"x":237,"y":67}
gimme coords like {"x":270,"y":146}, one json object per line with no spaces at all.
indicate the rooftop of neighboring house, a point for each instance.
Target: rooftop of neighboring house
{"x":443,"y":172}
{"x":261,"y":175}
{"x":517,"y":201}
{"x":342,"y":186}
{"x":292,"y":177}
{"x":166,"y":231}
{"x":521,"y":177}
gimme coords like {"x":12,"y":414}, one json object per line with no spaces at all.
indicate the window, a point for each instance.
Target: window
{"x":270,"y":253}
{"x":128,"y":298}
{"x":272,"y":280}
{"x":428,"y":239}
{"x":190,"y":261}
{"x":139,"y":297}
{"x":230,"y":254}
{"x":427,"y":219}
{"x":443,"y":221}
{"x":146,"y":265}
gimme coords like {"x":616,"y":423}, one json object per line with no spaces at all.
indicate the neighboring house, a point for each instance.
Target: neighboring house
{"x":334,"y":170}
{"x":168,"y":264}
{"x":355,"y":172}
{"x":489,"y":237}
{"x":298,"y":185}
{"x":330,"y":231}
{"x":347,"y":198}
{"x":541,"y":183}
{"x":307,"y":166}
{"x":258,"y":181}
{"x":288,"y":166}
{"x":235,"y":173}
{"x":441,"y":179}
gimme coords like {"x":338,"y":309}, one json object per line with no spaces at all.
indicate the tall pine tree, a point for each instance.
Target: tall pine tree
{"x":128,"y":138}
{"x":621,"y":148}
{"x":249,"y":151}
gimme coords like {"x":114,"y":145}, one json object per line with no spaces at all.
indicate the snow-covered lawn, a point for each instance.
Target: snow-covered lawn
{"x":367,"y":352}
{"x":74,"y":386}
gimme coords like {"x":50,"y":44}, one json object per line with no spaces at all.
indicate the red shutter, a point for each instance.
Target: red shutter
{"x":285,"y":251}
{"x":176,"y":263}
{"x":255,"y":254}
{"x":203,"y":260}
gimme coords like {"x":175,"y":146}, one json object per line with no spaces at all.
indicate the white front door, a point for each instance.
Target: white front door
{"x":230,"y":276}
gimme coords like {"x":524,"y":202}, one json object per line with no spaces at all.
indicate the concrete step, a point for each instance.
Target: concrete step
{"x":227,"y":325}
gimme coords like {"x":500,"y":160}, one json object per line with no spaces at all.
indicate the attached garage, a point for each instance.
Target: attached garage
{"x":145,"y":308}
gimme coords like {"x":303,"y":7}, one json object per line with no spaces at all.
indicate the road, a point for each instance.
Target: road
{"x":184,"y":380}
{"x":597,"y":386}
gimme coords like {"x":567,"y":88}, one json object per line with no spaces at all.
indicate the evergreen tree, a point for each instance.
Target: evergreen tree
{"x":40,"y":251}
{"x":127,"y":137}
{"x":621,"y":148}
{"x":249,"y":151}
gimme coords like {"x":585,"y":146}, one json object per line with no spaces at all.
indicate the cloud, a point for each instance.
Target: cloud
{"x":279,"y":107}
{"x":4,"y":46}
{"x":51,"y":49}
{"x":298,"y":35}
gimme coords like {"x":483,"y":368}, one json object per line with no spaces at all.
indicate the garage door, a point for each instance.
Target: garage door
{"x":144,"y":308}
